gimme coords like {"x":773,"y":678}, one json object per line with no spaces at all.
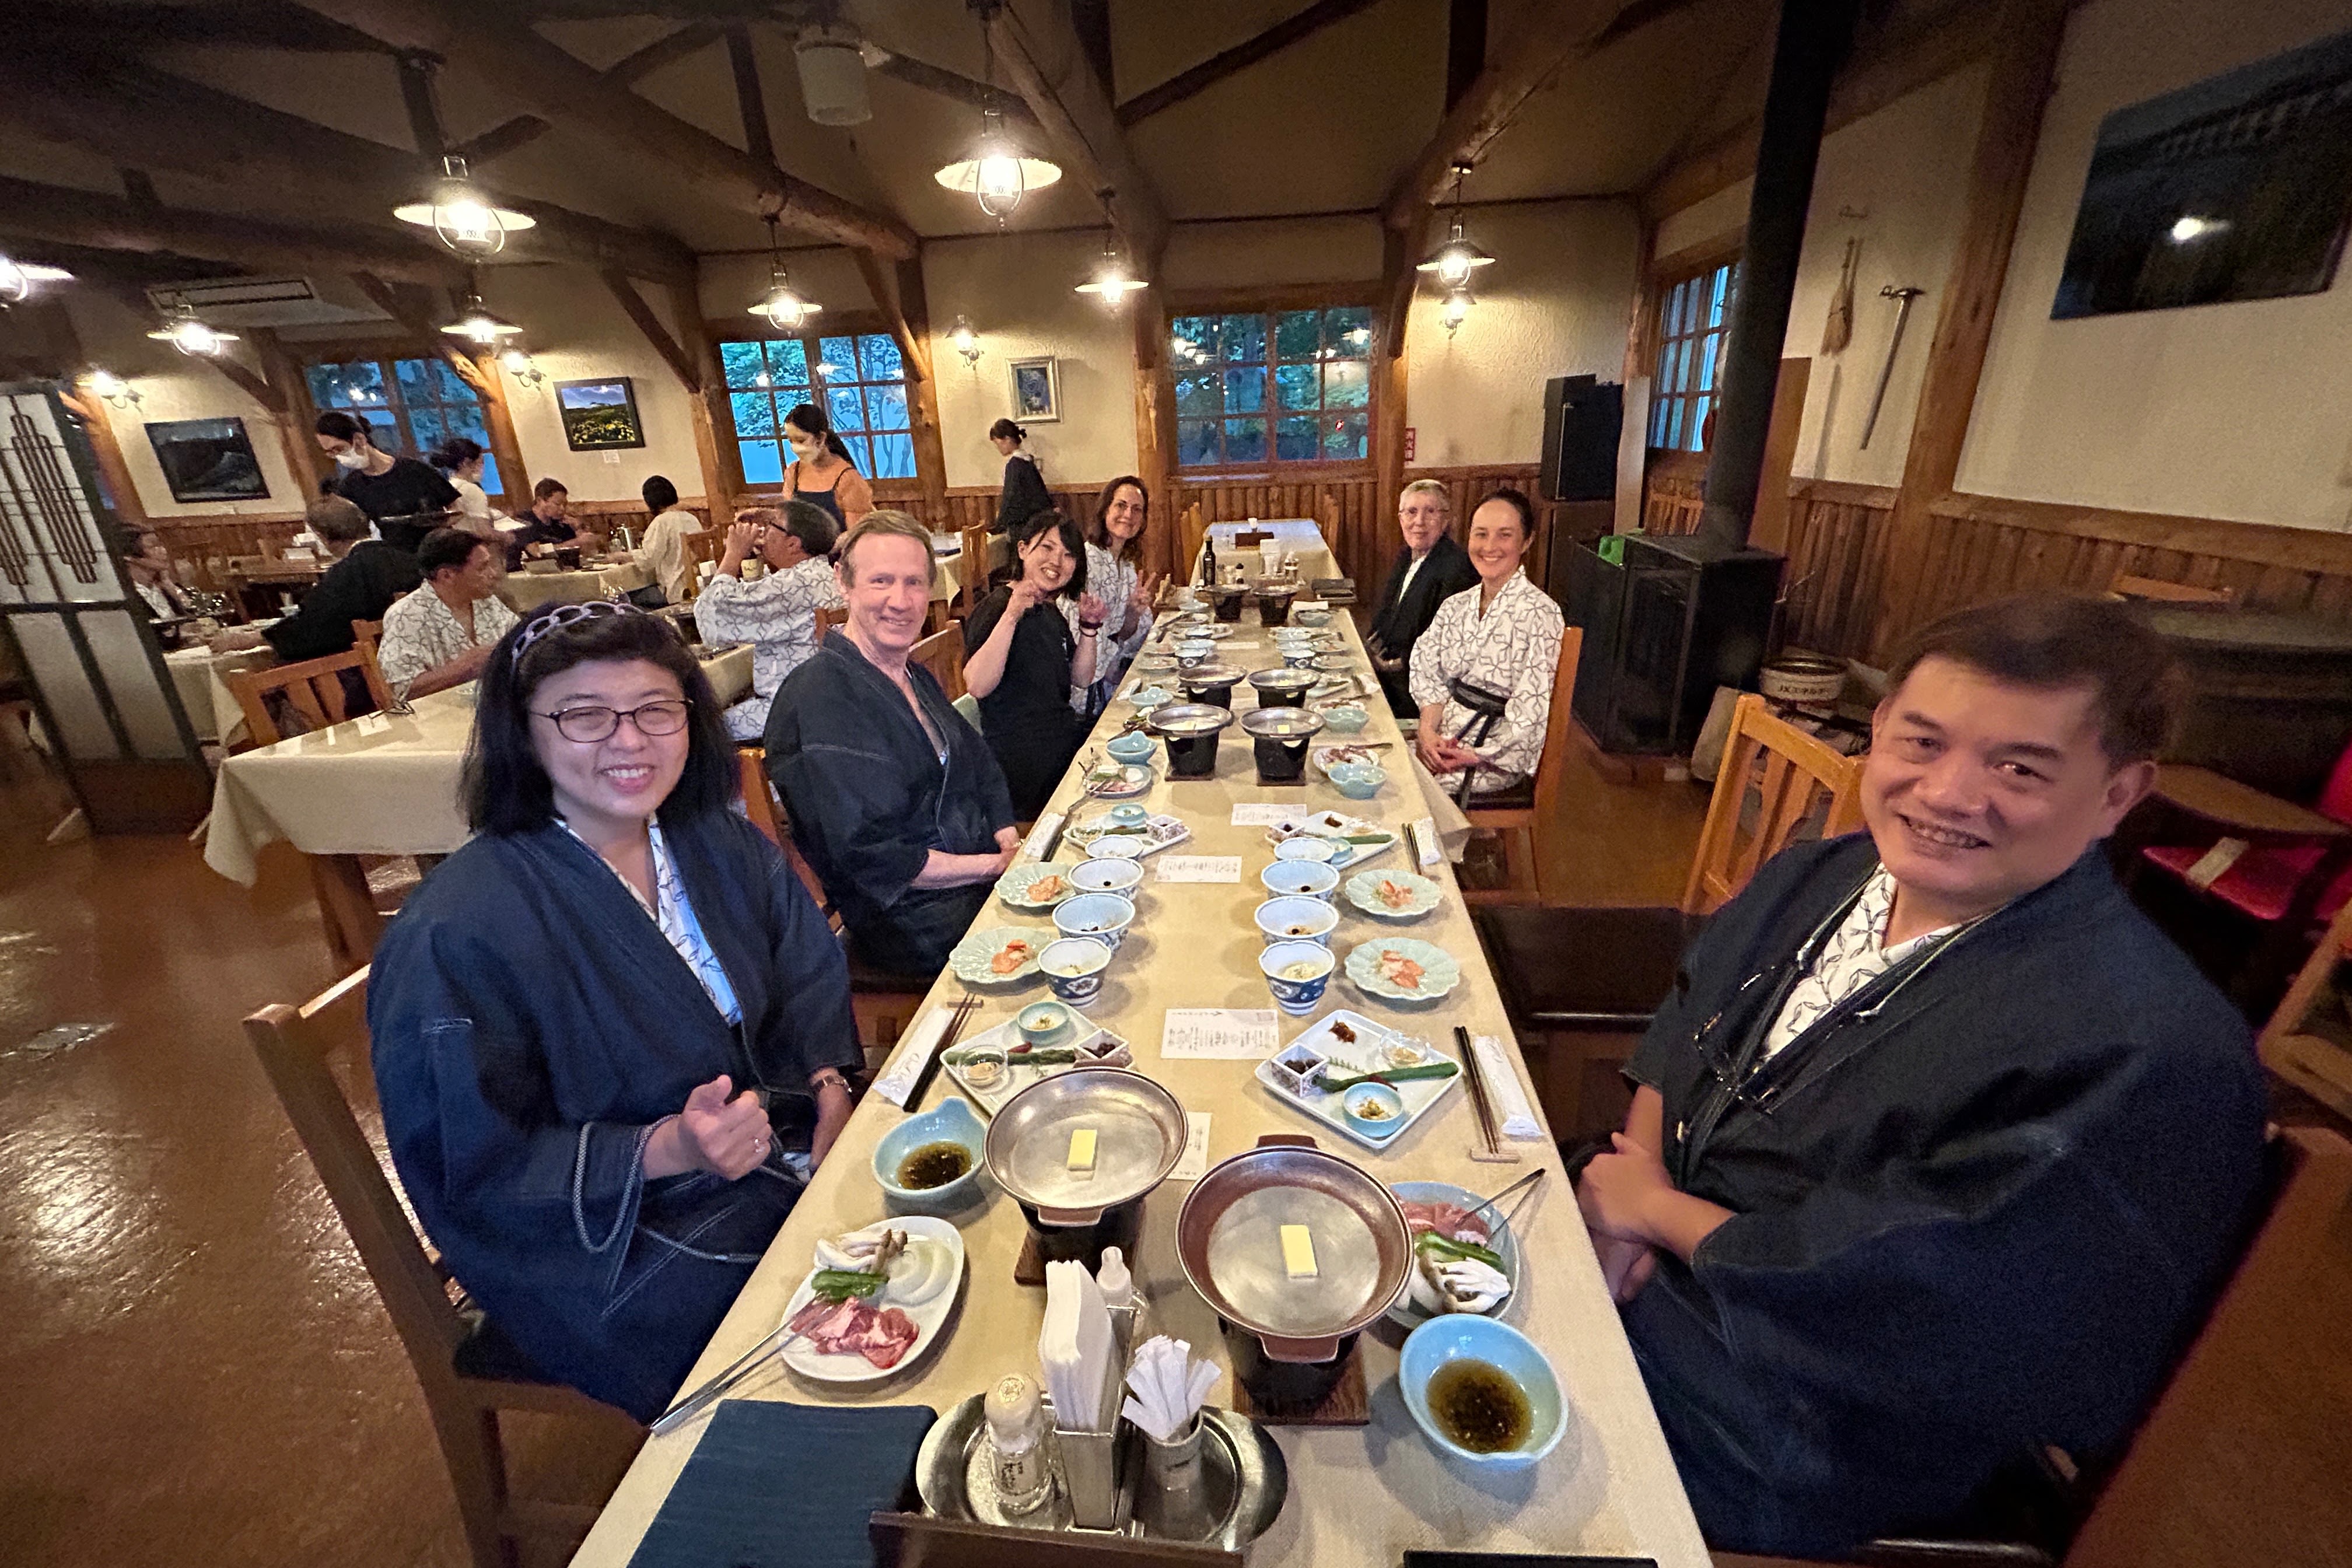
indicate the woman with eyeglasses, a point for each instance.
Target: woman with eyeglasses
{"x":602,"y":1027}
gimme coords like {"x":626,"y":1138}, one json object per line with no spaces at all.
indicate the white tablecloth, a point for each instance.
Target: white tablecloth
{"x":526,"y":591}
{"x":1298,"y":536}
{"x":198,"y":674}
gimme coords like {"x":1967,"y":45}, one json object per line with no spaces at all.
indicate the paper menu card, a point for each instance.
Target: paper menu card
{"x":1220,"y":1033}
{"x":1262,"y":812}
{"x":1201,"y":869}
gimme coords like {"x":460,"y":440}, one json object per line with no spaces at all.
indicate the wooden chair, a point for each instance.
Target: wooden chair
{"x":367,"y":635}
{"x":942,"y":654}
{"x":826,"y":620}
{"x":974,"y":564}
{"x":1521,"y":815}
{"x":2239,"y":1461}
{"x":2308,"y":1040}
{"x":2183,"y":595}
{"x":1191,"y":530}
{"x":313,"y":688}
{"x":1801,"y":776}
{"x":468,"y":1371}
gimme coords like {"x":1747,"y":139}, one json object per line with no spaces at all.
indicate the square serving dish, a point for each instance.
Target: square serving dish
{"x":1346,"y":1058}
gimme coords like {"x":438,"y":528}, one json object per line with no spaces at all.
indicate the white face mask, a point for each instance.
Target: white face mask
{"x":804,"y":446}
{"x":350,"y":460}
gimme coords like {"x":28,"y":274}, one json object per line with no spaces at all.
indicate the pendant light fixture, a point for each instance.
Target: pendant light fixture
{"x":1455,"y":260}
{"x":965,"y":340}
{"x":782,"y":306}
{"x":520,"y":366}
{"x":18,"y":278}
{"x":111,"y":387}
{"x":184,"y":331}
{"x":1113,"y":280}
{"x":462,"y":216}
{"x":997,"y":171}
{"x":1456,"y":310}
{"x":476,"y":325}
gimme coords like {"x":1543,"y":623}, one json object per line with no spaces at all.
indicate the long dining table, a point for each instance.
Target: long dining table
{"x":1357,"y":1494}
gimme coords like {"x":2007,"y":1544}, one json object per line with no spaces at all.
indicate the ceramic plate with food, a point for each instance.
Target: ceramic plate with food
{"x":1457,"y":1239}
{"x":875,"y":1300}
{"x":1403,"y":969}
{"x":999,"y":955}
{"x":1354,"y":840}
{"x":1326,"y":758}
{"x":1112,"y":780}
{"x":1392,"y":895}
{"x":1032,"y":887}
{"x":1313,"y":1073}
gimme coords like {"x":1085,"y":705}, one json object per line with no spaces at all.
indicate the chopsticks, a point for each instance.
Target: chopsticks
{"x":1530,"y":1181}
{"x":963,"y":1010}
{"x":1490,"y":1148}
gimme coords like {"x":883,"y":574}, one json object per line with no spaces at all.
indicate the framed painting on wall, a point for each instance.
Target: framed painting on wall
{"x":1036,"y":390}
{"x":207,"y":459}
{"x":599,"y":415}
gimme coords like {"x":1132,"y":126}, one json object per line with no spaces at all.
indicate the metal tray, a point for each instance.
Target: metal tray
{"x":1245,"y":1474}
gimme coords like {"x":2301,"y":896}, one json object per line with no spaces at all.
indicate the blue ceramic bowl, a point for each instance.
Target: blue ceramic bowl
{"x":953,"y":1121}
{"x":1135,"y":746}
{"x":1311,"y":618}
{"x":1099,"y":917}
{"x":1346,"y":719}
{"x":1374,"y":1110}
{"x":1294,"y":918}
{"x":1128,"y":817}
{"x":1074,"y":967}
{"x":1044,"y":1023}
{"x":1118,"y":877}
{"x":1299,"y":879}
{"x":1457,"y":1336}
{"x":1296,"y":997}
{"x":1300,"y":656}
{"x":1359,"y":781}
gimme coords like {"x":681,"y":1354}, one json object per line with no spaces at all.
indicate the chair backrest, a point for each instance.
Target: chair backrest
{"x":1796,"y":776}
{"x":2241,"y":1458}
{"x":767,"y":815}
{"x":942,"y":654}
{"x":1559,"y":727}
{"x":367,"y":635}
{"x":1190,"y":531}
{"x":826,"y":620}
{"x":297,"y":1047}
{"x":313,"y":687}
{"x":973,"y":563}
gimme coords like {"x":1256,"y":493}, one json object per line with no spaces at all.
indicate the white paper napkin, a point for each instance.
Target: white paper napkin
{"x":1043,"y":837}
{"x":1503,"y":1085}
{"x":899,"y":1080}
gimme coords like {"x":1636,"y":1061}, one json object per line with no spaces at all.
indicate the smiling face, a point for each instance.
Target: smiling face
{"x":1123,"y":519}
{"x":621,"y":780}
{"x":887,"y":584}
{"x":1978,"y":790}
{"x":1422,"y":517}
{"x":1047,"y":562}
{"x":1498,"y":542}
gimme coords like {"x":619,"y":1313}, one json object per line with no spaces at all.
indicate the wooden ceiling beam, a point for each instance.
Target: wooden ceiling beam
{"x":1199,"y":78}
{"x":641,"y":315}
{"x":500,"y":48}
{"x":134,"y":114}
{"x":511,"y":135}
{"x":1084,"y":128}
{"x":69,"y":216}
{"x":952,"y":85}
{"x":750,"y":98}
{"x":418,"y":312}
{"x":239,"y":24}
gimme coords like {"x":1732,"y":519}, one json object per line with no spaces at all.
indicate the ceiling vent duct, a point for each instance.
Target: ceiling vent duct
{"x":256,"y":302}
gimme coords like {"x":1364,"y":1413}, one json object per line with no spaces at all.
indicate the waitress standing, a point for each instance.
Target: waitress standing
{"x":1025,"y":494}
{"x":822,"y":472}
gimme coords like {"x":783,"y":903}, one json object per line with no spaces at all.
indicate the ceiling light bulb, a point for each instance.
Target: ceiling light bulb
{"x":996,"y":172}
{"x":106,"y":384}
{"x":18,"y":278}
{"x":464,"y":219}
{"x":476,"y":325}
{"x":187,"y":334}
{"x":965,"y":341}
{"x":783,"y":305}
{"x":1456,"y":310}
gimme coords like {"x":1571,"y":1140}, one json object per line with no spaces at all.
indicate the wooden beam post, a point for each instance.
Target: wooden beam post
{"x":909,"y":311}
{"x":640,"y":314}
{"x":2027,"y":34}
{"x":1084,"y":128}
{"x":1466,"y":47}
{"x":1155,"y":432}
{"x":304,"y":461}
{"x":722,"y":473}
{"x":1199,"y":78}
{"x":953,"y":86}
{"x":751,"y":102}
{"x":1360,"y":557}
{"x":510,"y":135}
{"x":91,"y":408}
{"x":498,"y":419}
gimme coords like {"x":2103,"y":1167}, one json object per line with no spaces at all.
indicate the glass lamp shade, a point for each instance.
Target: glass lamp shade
{"x":461,"y":216}
{"x":997,"y":173}
{"x":476,"y":324}
{"x":783,"y":306}
{"x":1456,"y":310}
{"x":18,"y":278}
{"x":190,"y":336}
{"x":965,"y":341}
{"x":1455,"y":260}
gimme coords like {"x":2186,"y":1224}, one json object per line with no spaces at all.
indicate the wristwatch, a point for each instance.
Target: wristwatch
{"x":823,"y":1076}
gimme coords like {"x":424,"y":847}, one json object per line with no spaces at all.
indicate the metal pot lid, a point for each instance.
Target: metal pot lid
{"x":1229,"y":1239}
{"x":1211,"y":675}
{"x":1270,"y":590}
{"x":1189,"y":719}
{"x":1139,"y":1130}
{"x":1807,"y":663}
{"x":1281,"y":680}
{"x":1282,"y":724}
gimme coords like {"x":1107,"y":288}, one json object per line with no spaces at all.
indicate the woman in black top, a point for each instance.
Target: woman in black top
{"x":1026,"y":494}
{"x":1028,"y":661}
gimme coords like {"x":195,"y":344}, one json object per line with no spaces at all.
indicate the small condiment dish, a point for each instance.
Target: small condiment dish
{"x":1299,"y":879}
{"x":1374,"y":1110}
{"x":1045,"y":1023}
{"x":1456,"y":1336}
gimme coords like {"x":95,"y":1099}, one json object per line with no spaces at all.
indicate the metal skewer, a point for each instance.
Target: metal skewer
{"x":744,"y":1366}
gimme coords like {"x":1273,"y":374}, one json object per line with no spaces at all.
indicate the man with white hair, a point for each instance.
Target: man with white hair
{"x":1431,"y":569}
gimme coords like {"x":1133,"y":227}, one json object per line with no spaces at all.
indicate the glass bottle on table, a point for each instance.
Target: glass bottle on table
{"x":1018,"y":1467}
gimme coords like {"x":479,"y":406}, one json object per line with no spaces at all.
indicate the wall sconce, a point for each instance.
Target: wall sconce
{"x":116,"y":391}
{"x":521,"y":366}
{"x":965,"y":340}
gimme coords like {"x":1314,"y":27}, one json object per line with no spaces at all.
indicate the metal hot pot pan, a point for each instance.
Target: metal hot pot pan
{"x":1140,"y":1134}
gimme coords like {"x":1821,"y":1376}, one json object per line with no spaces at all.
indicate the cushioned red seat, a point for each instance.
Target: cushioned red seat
{"x":2263,"y":881}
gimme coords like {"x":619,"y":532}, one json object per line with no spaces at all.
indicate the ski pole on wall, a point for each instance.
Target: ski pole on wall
{"x":1903,"y":298}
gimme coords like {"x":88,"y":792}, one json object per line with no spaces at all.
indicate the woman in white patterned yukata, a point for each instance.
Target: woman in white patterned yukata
{"x":776,"y":612}
{"x":1501,"y":638}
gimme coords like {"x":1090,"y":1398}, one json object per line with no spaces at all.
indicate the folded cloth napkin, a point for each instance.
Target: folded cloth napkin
{"x":1503,"y":1085}
{"x":908,"y":1066}
{"x":744,"y":1499}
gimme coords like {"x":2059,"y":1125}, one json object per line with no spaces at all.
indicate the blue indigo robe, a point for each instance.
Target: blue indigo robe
{"x":1973,"y":1214}
{"x":531,"y":1024}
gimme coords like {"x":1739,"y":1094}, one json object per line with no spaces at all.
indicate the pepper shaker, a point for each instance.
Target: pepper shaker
{"x":1016,"y":1434}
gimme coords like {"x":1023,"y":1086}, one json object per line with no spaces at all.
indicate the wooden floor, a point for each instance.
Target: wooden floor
{"x":197,"y":1366}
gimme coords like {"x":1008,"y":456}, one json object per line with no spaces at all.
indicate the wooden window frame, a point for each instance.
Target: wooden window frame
{"x":846,"y":323}
{"x":311,"y":352}
{"x":1666,"y":274}
{"x":1269,"y":303}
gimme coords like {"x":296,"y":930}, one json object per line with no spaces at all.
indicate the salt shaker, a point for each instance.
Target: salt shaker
{"x":1015,"y":1413}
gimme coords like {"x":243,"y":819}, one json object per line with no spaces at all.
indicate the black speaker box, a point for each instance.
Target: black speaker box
{"x":1581,"y":419}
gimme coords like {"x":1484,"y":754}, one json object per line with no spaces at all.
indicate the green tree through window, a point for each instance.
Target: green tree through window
{"x":1693,"y":319}
{"x":1268,"y":387}
{"x":859,"y":381}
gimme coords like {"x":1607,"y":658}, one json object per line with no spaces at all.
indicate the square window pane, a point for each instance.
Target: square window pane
{"x":1698,"y":424}
{"x":1245,"y":390}
{"x":1245,"y":440}
{"x":1244,"y":340}
{"x":1658,"y":422}
{"x":1706,"y":349}
{"x":1298,"y":385}
{"x":894,"y":457}
{"x":877,"y":357}
{"x":1297,"y":438}
{"x":466,"y":420}
{"x":1673,"y":423}
{"x":1196,"y":442}
{"x":886,"y":408}
{"x":764,"y":463}
{"x":755,"y":412}
{"x":448,"y":385}
{"x":355,"y":384}
{"x":415,"y":380}
{"x":491,"y":480}
{"x":1348,"y":437}
{"x":837,"y":357}
{"x":788,"y":362}
{"x":425,"y":429}
{"x":861,"y":452}
{"x":743,"y":365}
{"x":1297,"y":334}
{"x":1200,"y":393}
{"x":1348,"y":383}
{"x":845,"y":408}
{"x":1348,"y":333}
{"x":1192,"y":340}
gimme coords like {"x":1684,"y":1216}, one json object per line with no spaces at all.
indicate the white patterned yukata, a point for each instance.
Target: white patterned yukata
{"x":776,"y":614}
{"x":421,"y":633}
{"x":1513,"y":647}
{"x":1850,"y":960}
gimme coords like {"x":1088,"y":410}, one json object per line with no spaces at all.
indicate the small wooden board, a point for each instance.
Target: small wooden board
{"x":1348,"y":1405}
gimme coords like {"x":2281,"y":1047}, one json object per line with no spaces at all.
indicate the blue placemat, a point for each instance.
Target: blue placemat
{"x":785,"y":1486}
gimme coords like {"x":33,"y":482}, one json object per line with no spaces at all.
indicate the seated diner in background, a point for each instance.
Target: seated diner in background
{"x":1939,"y":1148}
{"x":897,"y":804}
{"x":663,"y":553}
{"x":1482,"y":673}
{"x":461,"y":463}
{"x":542,"y":525}
{"x":441,"y":633}
{"x":148,"y":564}
{"x":776,"y":611}
{"x":366,"y":577}
{"x":1431,"y":569}
{"x":402,"y":498}
{"x":821,"y":471}
{"x":1024,"y":494}
{"x":1026,"y":669}
{"x":1115,"y":574}
{"x":598,"y":1026}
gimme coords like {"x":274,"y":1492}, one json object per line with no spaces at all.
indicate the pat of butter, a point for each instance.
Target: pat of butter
{"x":1081,"y":1149}
{"x":1298,"y":1252}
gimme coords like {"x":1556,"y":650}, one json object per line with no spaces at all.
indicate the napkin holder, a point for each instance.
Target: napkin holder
{"x":1094,"y":1464}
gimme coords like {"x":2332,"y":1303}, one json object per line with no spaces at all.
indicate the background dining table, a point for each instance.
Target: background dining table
{"x":952,"y":568}
{"x":526,"y":591}
{"x":200,"y":676}
{"x":1358,"y":1495}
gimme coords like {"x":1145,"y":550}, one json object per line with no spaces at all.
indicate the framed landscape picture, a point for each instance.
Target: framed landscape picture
{"x":207,"y":459}
{"x":599,"y":414}
{"x":1036,"y":391}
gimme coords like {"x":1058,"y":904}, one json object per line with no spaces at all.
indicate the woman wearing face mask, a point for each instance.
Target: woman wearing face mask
{"x":404,"y":498}
{"x":1027,"y":661}
{"x":1025,"y":494}
{"x":822,"y":472}
{"x":1115,"y":574}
